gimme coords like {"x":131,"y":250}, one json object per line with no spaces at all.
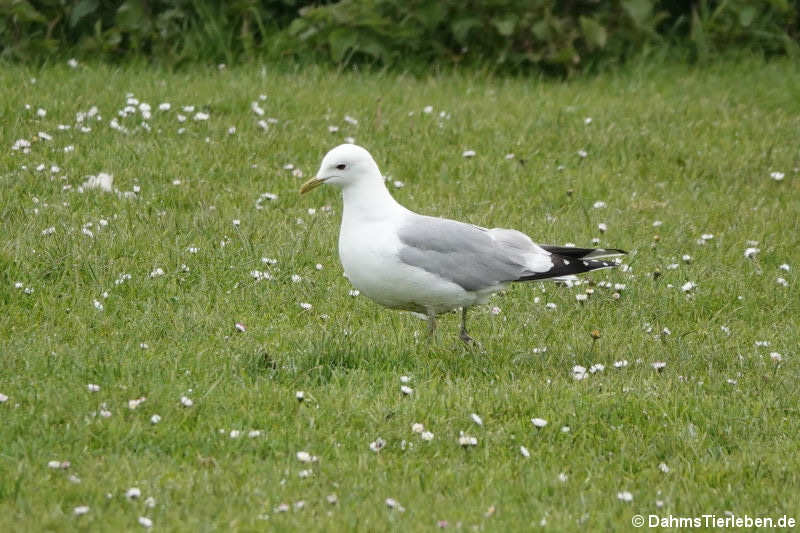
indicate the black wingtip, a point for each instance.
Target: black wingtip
{"x":568,"y":266}
{"x":580,"y":253}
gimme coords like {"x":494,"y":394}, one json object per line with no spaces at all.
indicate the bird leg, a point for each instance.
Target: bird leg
{"x":464,"y":336}
{"x":431,"y":324}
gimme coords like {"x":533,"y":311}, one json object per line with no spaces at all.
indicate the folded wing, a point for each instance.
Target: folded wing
{"x":473,"y":257}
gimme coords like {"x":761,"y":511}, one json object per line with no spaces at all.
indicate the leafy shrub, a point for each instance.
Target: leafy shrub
{"x":770,"y":26}
{"x":513,"y":34}
{"x":516,"y":33}
{"x":174,"y":30}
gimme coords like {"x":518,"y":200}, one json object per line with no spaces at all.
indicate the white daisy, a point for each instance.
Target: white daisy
{"x":466,"y":440}
{"x":391,"y":503}
{"x":305,"y":457}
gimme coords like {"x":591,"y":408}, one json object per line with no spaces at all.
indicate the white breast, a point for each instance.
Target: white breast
{"x":369,"y":255}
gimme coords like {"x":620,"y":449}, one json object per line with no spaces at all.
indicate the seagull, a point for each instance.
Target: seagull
{"x":429,"y":265}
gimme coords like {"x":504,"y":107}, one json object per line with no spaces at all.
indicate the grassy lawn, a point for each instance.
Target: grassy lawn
{"x":671,"y":153}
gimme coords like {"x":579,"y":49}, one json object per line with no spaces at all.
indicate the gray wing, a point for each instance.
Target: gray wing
{"x":462,"y":253}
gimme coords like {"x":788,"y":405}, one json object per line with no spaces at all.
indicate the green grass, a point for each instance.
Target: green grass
{"x":691,"y":148}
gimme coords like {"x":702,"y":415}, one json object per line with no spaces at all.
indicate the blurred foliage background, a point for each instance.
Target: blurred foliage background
{"x":509,"y":35}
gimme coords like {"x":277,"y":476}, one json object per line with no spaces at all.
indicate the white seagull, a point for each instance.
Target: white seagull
{"x":403,"y":260}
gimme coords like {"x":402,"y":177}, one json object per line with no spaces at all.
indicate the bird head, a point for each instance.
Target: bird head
{"x":343,"y":166}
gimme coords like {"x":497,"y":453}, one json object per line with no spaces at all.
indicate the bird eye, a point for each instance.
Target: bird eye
{"x":341,"y":166}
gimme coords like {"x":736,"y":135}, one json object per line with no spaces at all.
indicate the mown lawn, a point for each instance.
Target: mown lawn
{"x":668,"y":155}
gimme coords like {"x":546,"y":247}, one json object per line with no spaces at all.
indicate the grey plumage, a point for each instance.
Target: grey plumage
{"x":462,"y":253}
{"x":477,"y":258}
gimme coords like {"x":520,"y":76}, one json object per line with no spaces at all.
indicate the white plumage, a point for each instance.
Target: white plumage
{"x":429,"y":265}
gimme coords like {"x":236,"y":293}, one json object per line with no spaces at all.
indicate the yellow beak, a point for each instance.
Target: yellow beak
{"x":313,"y":183}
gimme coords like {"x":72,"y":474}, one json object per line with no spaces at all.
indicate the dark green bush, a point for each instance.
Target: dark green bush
{"x":512,"y":34}
{"x":519,"y":33}
{"x":170,"y":30}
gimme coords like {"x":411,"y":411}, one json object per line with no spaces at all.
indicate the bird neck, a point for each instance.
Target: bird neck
{"x":369,"y":200}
